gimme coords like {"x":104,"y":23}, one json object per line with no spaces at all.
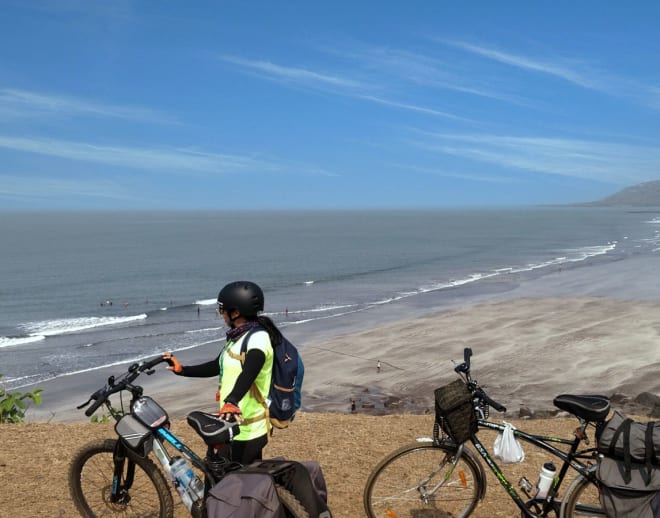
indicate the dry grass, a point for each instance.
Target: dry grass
{"x":35,"y":457}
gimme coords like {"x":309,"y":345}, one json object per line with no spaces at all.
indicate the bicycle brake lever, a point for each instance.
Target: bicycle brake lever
{"x":85,"y":404}
{"x":93,"y":397}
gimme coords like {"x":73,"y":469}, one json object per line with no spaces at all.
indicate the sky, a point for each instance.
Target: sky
{"x":228,"y":105}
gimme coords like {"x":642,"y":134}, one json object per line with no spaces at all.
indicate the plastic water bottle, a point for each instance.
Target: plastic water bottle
{"x":546,"y":476}
{"x":188,"y":485}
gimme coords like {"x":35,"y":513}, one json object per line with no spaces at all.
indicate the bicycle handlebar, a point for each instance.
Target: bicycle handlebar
{"x":464,"y":368}
{"x":491,"y":402}
{"x":125,"y":382}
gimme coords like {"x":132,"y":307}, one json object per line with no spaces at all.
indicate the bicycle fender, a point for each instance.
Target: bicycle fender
{"x":482,"y":472}
{"x":576,"y":481}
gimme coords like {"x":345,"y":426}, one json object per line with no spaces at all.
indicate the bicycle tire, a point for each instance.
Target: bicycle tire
{"x":90,"y":482}
{"x":582,"y":499}
{"x":292,"y":505}
{"x":395,"y":484}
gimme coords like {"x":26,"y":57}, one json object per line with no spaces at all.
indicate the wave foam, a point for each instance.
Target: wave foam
{"x":72,"y":325}
{"x":9,"y":341}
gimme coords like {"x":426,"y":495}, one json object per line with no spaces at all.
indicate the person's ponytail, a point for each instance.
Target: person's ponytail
{"x":274,"y":333}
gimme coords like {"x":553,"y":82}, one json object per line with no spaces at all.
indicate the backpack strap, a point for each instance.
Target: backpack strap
{"x":649,"y":451}
{"x":624,"y":428}
{"x":627,"y":460}
{"x":254,"y":392}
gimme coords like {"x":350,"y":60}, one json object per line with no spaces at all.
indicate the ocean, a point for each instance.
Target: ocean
{"x":81,"y":291}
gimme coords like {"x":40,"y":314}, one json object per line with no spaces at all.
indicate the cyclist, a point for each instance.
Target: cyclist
{"x":240,"y":303}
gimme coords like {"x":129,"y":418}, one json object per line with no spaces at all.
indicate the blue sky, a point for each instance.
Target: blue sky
{"x":300,"y":104}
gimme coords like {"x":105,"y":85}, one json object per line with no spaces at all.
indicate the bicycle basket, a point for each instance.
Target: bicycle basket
{"x":454,"y":411}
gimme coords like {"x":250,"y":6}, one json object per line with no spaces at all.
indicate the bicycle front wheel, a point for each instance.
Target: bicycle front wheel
{"x":423,"y":480}
{"x":90,"y":484}
{"x":582,"y":499}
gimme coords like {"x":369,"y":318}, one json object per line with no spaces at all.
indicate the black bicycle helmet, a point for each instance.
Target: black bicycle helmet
{"x":244,"y":296}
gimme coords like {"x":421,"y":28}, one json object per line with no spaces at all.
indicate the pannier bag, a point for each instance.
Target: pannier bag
{"x":454,"y":411}
{"x":630,"y":441}
{"x":636,"y":497}
{"x":241,"y":494}
{"x":251,"y":491}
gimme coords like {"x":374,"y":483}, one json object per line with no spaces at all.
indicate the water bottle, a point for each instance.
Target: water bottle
{"x":546,"y":476}
{"x":188,"y":485}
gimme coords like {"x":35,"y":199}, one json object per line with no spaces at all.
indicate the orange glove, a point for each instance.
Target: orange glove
{"x":173,"y":363}
{"x":230,"y":412}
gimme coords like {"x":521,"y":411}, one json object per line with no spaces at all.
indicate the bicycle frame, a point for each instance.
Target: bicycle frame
{"x":155,"y":444}
{"x":570,"y":459}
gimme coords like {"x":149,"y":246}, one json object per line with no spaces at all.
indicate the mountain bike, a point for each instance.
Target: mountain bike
{"x":118,"y":476}
{"x":440,"y":477}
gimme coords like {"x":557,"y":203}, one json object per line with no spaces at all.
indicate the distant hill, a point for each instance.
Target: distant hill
{"x":641,"y":195}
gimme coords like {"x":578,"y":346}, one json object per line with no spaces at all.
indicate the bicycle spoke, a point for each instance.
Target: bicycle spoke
{"x":584,"y":500}
{"x":420,"y":483}
{"x":92,"y":480}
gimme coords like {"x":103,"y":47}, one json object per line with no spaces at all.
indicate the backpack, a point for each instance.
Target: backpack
{"x":628,"y":472}
{"x":285,"y":394}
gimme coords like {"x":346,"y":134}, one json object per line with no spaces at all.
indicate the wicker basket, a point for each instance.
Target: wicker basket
{"x":454,"y":411}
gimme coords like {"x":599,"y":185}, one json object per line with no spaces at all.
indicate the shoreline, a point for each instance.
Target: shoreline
{"x":584,"y":330}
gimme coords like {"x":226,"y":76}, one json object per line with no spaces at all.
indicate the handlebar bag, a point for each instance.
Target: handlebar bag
{"x":134,"y":434}
{"x":454,"y":411}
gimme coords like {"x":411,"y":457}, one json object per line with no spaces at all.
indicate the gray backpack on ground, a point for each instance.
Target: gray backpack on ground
{"x":629,"y":472}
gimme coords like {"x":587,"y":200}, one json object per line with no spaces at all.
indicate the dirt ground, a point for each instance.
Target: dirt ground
{"x":34,"y":458}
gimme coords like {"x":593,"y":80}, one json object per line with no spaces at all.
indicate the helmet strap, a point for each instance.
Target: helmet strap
{"x":232,"y":320}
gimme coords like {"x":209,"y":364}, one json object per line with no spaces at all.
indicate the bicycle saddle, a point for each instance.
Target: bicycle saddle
{"x":591,"y":408}
{"x":211,"y":428}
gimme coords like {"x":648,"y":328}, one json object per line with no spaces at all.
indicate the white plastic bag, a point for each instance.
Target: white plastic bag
{"x":506,"y":447}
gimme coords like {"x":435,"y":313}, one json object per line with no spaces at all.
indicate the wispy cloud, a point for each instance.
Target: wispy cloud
{"x":414,"y":108}
{"x":295,"y":75}
{"x":334,"y":84}
{"x":43,"y":187}
{"x":405,"y":67}
{"x":159,"y":159}
{"x":172,"y":161}
{"x":474,"y":177}
{"x":596,"y":160}
{"x":23,"y":103}
{"x":575,"y":71}
{"x":564,"y":71}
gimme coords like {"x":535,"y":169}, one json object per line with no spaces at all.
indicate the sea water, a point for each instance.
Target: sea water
{"x":79,"y":291}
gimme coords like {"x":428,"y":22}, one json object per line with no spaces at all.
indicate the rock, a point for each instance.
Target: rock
{"x":647,"y":399}
{"x":655,"y":412}
{"x":619,"y":399}
{"x":392,"y":402}
{"x":545,"y":414}
{"x":524,"y":412}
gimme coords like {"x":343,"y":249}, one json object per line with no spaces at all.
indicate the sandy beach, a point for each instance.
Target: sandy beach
{"x":588,"y":330}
